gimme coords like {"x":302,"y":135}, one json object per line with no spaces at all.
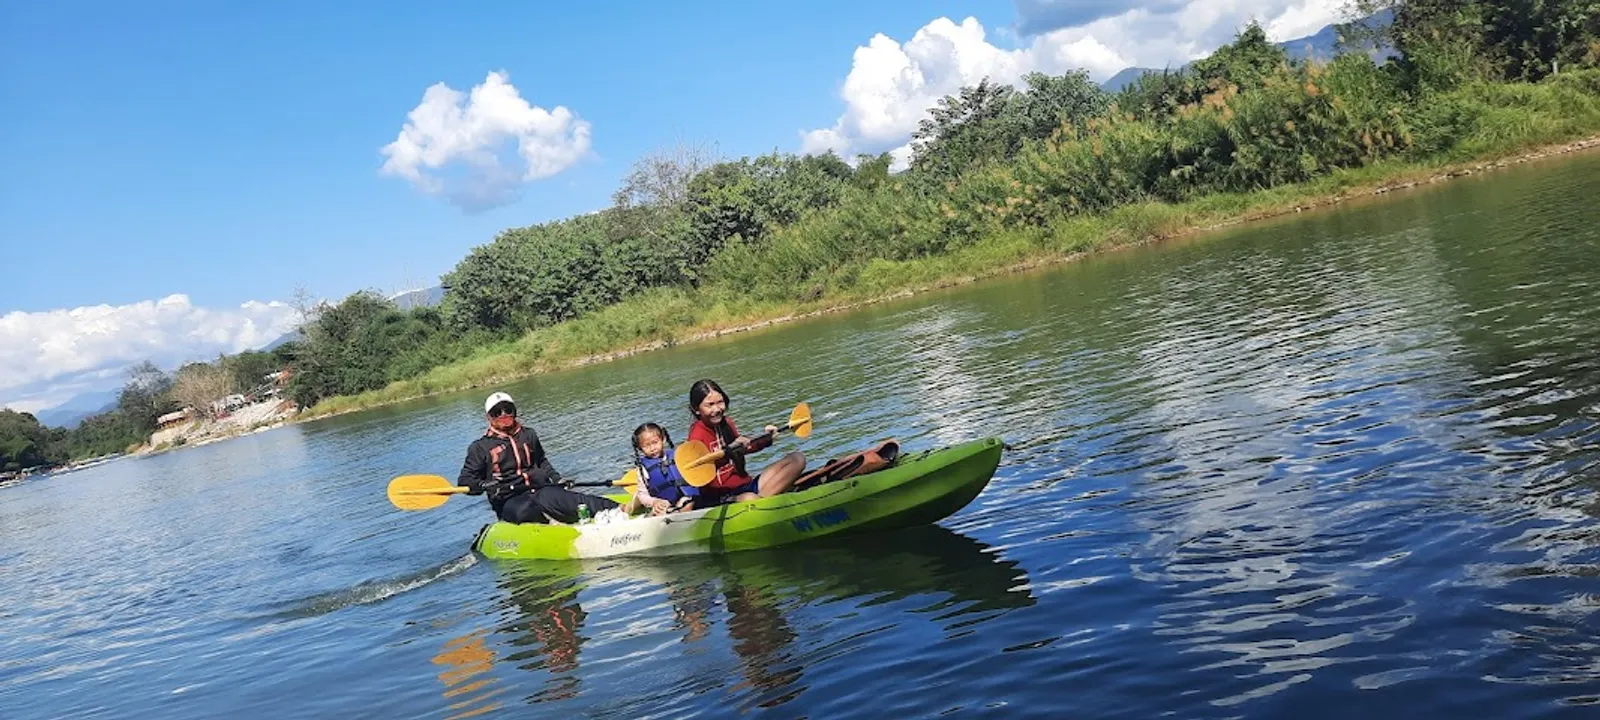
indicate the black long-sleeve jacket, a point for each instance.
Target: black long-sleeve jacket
{"x":515,"y":460}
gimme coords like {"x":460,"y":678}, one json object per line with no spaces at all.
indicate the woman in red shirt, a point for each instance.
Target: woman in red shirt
{"x":709,"y":406}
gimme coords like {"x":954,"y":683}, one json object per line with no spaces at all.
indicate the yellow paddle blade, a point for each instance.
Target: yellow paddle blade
{"x":800,"y":421}
{"x":421,"y":492}
{"x":696,"y":463}
{"x":629,"y":482}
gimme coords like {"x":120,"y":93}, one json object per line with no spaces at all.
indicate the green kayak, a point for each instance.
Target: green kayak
{"x":916,"y":489}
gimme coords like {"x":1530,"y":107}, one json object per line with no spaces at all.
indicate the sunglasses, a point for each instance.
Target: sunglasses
{"x":502,"y":410}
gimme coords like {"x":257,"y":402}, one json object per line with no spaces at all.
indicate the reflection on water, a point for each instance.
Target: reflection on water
{"x":547,"y":630}
{"x":465,"y":658}
{"x":762,"y":602}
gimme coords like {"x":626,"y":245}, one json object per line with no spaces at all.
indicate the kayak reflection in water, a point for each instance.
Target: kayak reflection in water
{"x":712,"y":426}
{"x":509,"y":466}
{"x":759,"y":632}
{"x":691,"y":605}
{"x":549,"y":624}
{"x":761,"y":638}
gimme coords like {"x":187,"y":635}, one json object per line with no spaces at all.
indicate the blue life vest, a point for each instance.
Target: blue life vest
{"x":663,"y":480}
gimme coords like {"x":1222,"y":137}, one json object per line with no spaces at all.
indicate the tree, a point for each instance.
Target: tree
{"x":1245,"y":63}
{"x":1050,"y":102}
{"x":146,"y":376}
{"x":964,"y":129}
{"x":989,"y":121}
{"x":365,"y":342}
{"x":662,"y":178}
{"x":145,"y":397}
{"x":305,"y":305}
{"x":250,"y":368}
{"x":1531,"y":39}
{"x":746,"y":199}
{"x":1443,"y":42}
{"x":23,"y":442}
{"x":872,"y":171}
{"x":199,"y":385}
{"x":99,"y":434}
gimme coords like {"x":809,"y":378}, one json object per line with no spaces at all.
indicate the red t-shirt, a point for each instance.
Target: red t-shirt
{"x":728,"y":475}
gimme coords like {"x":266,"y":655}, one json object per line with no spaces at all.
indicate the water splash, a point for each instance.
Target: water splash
{"x":376,"y":591}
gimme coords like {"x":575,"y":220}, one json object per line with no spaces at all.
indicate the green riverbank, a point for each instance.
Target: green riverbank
{"x":670,"y":316}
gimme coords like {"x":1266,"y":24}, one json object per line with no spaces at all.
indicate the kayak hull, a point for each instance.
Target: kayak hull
{"x":919,"y":489}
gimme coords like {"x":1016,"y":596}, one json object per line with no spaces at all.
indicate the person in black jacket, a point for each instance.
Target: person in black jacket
{"x":509,"y":466}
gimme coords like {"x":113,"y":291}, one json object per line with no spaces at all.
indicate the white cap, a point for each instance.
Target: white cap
{"x":496,"y":399}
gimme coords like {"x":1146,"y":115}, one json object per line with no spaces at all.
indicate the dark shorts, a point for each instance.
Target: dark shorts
{"x":550,"y":501}
{"x":712,"y":497}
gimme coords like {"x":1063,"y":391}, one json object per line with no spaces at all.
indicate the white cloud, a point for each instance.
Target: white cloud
{"x":1301,"y":20}
{"x":891,"y":85}
{"x":1040,"y":16}
{"x":47,"y":357}
{"x":460,"y":146}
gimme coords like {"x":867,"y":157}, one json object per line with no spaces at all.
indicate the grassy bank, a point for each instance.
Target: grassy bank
{"x":663,"y":317}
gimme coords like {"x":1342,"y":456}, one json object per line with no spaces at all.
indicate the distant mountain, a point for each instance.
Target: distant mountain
{"x":426,"y":297}
{"x":72,"y":412}
{"x":1116,"y":83}
{"x":288,"y":337}
{"x":1321,"y":46}
{"x":1324,"y":45}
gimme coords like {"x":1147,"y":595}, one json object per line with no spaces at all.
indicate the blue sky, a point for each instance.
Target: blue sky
{"x":230,"y":152}
{"x":176,"y":168}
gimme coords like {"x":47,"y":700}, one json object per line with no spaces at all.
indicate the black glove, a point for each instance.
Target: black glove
{"x":733,"y":451}
{"x":498,"y":491}
{"x":474,"y":489}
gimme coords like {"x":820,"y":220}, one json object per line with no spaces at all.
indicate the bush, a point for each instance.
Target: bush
{"x":543,"y":274}
{"x":1481,"y":117}
{"x":794,"y":262}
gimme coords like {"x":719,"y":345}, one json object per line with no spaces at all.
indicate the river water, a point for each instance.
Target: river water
{"x":1336,"y":465}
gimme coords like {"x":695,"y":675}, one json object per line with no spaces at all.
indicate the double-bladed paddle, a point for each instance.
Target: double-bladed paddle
{"x":425,"y":492}
{"x":694,"y":461}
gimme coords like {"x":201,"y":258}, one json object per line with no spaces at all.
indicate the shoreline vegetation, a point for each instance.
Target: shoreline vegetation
{"x":1134,"y":227}
{"x":1000,"y":179}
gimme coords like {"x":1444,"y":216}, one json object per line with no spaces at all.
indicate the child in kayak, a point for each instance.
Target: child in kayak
{"x":662,"y":488}
{"x":712,"y":426}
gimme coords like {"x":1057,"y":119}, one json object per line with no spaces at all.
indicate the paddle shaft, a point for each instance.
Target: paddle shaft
{"x":716,"y":455}
{"x":601,"y":483}
{"x":432,"y":491}
{"x":459,"y":489}
{"x":436,"y":486}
